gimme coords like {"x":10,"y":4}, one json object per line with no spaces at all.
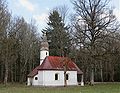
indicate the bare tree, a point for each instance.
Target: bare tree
{"x":63,"y":11}
{"x":65,"y":62}
{"x":93,"y":21}
{"x":4,"y":40}
{"x":19,"y":46}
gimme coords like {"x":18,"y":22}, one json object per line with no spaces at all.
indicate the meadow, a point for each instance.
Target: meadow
{"x":99,"y":88}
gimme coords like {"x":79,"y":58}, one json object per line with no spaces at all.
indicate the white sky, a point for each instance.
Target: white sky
{"x":39,"y":9}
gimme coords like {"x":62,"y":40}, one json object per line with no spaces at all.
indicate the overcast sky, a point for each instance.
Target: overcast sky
{"x":39,"y":9}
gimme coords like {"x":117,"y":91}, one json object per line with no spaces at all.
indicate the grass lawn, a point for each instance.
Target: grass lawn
{"x":99,"y":88}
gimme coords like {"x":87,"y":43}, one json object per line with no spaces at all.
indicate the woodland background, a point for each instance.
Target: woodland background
{"x":91,"y":38}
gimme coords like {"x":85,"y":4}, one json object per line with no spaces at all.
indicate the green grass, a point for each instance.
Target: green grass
{"x":99,"y":88}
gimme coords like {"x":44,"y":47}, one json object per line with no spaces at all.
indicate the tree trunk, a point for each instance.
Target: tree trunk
{"x":111,"y":72}
{"x":86,"y":75}
{"x":12,"y":75}
{"x":22,"y":75}
{"x":101,"y":71}
{"x":65,"y":81}
{"x":2,"y":72}
{"x":92,"y":76}
{"x":6,"y":72}
{"x":6,"y":66}
{"x":101,"y":74}
{"x":82,"y":80}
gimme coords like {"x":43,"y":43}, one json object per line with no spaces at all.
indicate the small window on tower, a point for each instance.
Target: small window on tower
{"x":46,"y":53}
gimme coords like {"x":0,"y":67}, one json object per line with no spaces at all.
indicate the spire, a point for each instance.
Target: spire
{"x":44,"y":36}
{"x":44,"y":43}
{"x":44,"y":50}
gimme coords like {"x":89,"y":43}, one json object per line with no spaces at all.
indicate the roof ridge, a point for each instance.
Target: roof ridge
{"x":55,"y":56}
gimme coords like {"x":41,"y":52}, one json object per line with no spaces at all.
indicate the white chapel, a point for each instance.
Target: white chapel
{"x":50,"y":72}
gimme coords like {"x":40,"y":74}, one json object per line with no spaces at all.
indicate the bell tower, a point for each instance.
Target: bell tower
{"x":44,"y":49}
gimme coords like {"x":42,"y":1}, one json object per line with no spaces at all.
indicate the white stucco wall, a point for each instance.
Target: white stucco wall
{"x":40,"y":78}
{"x":47,"y":78}
{"x":72,"y":80}
{"x":35,"y":82}
{"x":38,"y":82}
{"x":29,"y":81}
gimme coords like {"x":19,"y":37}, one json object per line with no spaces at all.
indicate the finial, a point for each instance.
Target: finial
{"x":44,"y":33}
{"x":44,"y":37}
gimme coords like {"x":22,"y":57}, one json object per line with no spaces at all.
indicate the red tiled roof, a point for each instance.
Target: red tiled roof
{"x":55,"y":63}
{"x":34,"y":72}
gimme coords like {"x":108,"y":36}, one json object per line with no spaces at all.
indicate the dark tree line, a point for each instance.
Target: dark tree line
{"x":19,"y":46}
{"x":91,"y":39}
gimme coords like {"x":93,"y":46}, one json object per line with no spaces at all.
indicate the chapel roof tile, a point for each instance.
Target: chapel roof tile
{"x":56,"y":63}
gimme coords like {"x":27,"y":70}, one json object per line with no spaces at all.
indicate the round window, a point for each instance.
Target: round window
{"x":36,"y":78}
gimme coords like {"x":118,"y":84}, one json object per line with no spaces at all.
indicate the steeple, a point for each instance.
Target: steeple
{"x":44,"y":50}
{"x":44,"y":43}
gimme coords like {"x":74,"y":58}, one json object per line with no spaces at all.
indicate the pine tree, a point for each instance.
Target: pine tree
{"x":57,"y":35}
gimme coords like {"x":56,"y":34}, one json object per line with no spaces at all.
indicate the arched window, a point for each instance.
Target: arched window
{"x":67,"y":76}
{"x":56,"y":76}
{"x":46,"y":53}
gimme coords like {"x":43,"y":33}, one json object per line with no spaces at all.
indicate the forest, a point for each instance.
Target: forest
{"x":91,"y":38}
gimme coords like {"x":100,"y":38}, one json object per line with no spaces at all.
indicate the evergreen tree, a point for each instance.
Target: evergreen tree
{"x":58,"y":35}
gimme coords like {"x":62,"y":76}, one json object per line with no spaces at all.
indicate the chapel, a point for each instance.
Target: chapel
{"x":51,"y":70}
